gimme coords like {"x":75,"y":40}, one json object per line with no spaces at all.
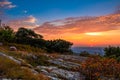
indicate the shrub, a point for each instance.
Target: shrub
{"x":84,"y":53}
{"x":58,"y":45}
{"x":6,"y":34}
{"x":110,"y":51}
{"x":97,"y":67}
{"x":28,"y":37}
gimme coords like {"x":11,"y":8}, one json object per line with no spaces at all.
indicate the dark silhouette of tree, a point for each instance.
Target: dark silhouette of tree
{"x":6,"y":34}
{"x":58,"y":45}
{"x":112,"y":52}
{"x":29,"y":37}
{"x":27,"y":33}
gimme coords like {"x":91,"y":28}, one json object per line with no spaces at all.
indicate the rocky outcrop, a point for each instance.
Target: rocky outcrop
{"x":62,"y":70}
{"x":1,"y":44}
{"x":65,"y":64}
{"x":11,"y":58}
{"x":58,"y":74}
{"x":73,"y":58}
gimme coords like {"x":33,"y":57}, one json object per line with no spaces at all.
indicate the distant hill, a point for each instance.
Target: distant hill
{"x":91,"y":50}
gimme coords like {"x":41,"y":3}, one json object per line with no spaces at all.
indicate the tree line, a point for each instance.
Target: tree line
{"x":29,"y":37}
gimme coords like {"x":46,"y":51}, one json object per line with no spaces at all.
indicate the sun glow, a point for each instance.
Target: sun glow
{"x":93,"y":33}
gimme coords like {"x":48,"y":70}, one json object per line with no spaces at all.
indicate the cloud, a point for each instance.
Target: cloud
{"x":30,"y":19}
{"x":28,"y":22}
{"x":79,"y":25}
{"x":6,"y":4}
{"x":11,"y":6}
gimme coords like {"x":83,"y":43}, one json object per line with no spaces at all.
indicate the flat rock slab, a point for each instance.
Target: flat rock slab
{"x":56,"y":73}
{"x":65,"y":64}
{"x":73,"y":57}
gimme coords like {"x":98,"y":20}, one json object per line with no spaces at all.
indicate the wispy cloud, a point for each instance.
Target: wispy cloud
{"x":6,"y":4}
{"x":28,"y":22}
{"x":81,"y":25}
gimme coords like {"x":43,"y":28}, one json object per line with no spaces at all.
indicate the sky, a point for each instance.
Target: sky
{"x":83,"y":22}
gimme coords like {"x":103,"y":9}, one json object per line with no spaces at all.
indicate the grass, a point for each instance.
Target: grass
{"x":23,"y":51}
{"x":24,"y":48}
{"x":38,"y":60}
{"x":10,"y":69}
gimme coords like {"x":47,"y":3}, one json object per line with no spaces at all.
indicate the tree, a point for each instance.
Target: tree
{"x":6,"y":34}
{"x":27,"y":33}
{"x":29,"y":37}
{"x":112,"y":52}
{"x":58,"y":45}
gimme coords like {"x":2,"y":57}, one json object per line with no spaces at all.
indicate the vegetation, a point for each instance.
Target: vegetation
{"x":112,"y":52}
{"x":29,"y":37}
{"x":30,"y":55}
{"x":37,"y":60}
{"x":6,"y":34}
{"x":30,"y":46}
{"x":107,"y":66}
{"x":11,"y":70}
{"x":58,"y":45}
{"x":96,"y":68}
{"x":85,"y":54}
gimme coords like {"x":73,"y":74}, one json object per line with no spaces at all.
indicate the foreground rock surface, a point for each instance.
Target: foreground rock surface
{"x":59,"y":74}
{"x":64,"y":68}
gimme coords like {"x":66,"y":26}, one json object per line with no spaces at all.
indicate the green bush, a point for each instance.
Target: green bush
{"x":7,"y":34}
{"x":112,"y":52}
{"x":58,"y":45}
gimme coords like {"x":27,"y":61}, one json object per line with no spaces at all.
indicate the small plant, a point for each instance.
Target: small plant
{"x":84,"y":53}
{"x":37,"y":60}
{"x":97,"y":67}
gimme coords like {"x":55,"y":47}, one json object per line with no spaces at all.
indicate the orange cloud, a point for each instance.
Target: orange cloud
{"x":81,"y":25}
{"x":74,"y":29}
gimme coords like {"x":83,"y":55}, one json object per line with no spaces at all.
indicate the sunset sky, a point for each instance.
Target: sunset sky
{"x":83,"y":22}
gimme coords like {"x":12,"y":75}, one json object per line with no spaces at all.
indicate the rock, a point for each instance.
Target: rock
{"x":34,"y":71}
{"x":73,"y":57}
{"x":31,"y":55}
{"x":65,"y":64}
{"x":57,"y":73}
{"x":44,"y":71}
{"x":24,"y":63}
{"x":13,"y":48}
{"x":53,"y":78}
{"x":61,"y":60}
{"x":1,"y":44}
{"x":11,"y":58}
